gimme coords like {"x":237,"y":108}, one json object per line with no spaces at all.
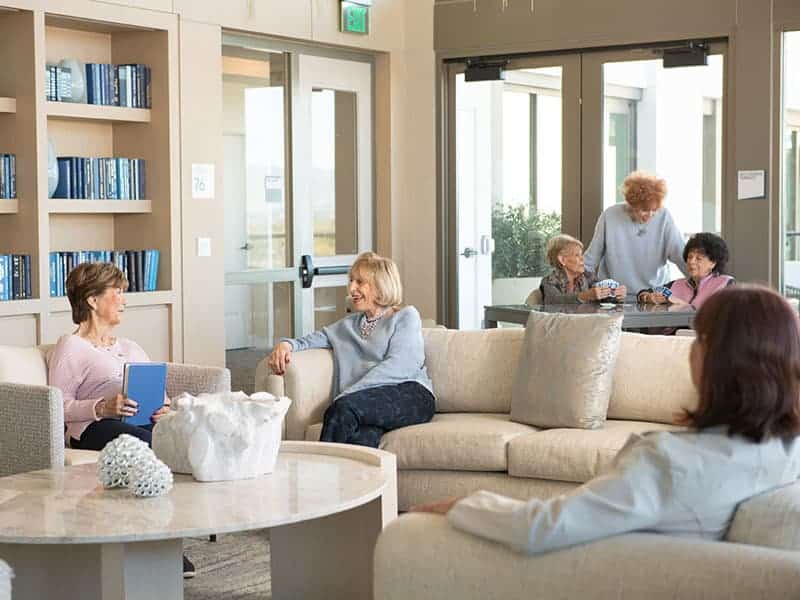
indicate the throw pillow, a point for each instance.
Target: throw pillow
{"x":565,"y":370}
{"x":771,"y":519}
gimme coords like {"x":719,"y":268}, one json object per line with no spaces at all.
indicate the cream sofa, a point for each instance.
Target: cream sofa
{"x":471,"y":443}
{"x":32,"y":412}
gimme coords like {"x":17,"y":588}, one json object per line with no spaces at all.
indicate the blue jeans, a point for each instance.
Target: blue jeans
{"x":364,"y":416}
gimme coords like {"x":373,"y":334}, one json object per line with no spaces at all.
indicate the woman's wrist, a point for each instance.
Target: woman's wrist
{"x":99,"y":408}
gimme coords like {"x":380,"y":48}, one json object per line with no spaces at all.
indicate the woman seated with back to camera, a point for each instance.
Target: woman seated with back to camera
{"x":569,"y":282}
{"x":706,"y":256}
{"x":744,"y":439}
{"x":380,"y":378}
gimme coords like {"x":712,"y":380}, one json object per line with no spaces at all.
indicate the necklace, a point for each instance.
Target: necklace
{"x":368,"y":325}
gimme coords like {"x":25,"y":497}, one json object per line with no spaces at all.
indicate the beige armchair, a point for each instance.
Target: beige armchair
{"x":32,"y":412}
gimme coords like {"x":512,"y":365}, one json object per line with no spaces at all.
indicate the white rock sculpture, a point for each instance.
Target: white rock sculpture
{"x":150,"y":477}
{"x":5,"y":581}
{"x":221,"y":437}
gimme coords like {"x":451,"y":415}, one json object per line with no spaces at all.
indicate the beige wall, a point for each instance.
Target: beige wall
{"x":751,"y":27}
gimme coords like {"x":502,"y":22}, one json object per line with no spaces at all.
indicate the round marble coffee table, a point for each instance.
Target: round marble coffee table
{"x":325,"y":504}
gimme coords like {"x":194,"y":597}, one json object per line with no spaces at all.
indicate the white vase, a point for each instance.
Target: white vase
{"x":78,"y":74}
{"x":52,"y":169}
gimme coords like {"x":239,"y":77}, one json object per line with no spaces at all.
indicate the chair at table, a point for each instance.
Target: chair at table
{"x":32,"y":412}
{"x":535,"y":297}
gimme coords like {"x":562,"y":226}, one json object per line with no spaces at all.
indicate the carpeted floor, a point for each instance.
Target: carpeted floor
{"x":235,"y":567}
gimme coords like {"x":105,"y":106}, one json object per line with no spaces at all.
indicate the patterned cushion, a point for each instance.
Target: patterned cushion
{"x":565,"y":370}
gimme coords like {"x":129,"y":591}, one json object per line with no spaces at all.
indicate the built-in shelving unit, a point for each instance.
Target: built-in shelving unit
{"x":38,"y":225}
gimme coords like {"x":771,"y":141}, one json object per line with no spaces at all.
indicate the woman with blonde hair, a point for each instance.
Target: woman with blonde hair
{"x":633,"y":241}
{"x":380,"y":380}
{"x":569,"y":282}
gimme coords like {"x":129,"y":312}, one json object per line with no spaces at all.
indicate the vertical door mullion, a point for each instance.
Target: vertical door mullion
{"x":571,"y":161}
{"x":591,"y":143}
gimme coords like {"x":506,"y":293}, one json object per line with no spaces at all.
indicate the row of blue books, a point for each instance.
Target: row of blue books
{"x":100,"y":178}
{"x":58,"y":83}
{"x":15,"y":276}
{"x":139,"y":266}
{"x":118,"y":85}
{"x":8,"y":176}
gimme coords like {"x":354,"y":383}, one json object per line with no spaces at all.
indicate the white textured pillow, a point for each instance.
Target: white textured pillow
{"x":22,"y":364}
{"x":771,"y":519}
{"x":565,"y":370}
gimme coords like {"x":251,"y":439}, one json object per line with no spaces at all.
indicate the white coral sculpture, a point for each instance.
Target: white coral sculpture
{"x":150,"y":477}
{"x":129,"y":462}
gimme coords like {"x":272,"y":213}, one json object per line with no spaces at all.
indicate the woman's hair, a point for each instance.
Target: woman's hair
{"x":750,"y":376}
{"x":88,"y":280}
{"x":644,"y":190}
{"x":557,"y":245}
{"x":713,"y":246}
{"x":382,"y":272}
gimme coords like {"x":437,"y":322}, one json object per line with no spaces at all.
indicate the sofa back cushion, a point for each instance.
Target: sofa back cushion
{"x":771,"y":519}
{"x":652,"y":381}
{"x":472,"y":371}
{"x":23,"y":364}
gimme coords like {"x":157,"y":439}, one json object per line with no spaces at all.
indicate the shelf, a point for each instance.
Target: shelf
{"x":97,"y":112}
{"x":59,"y":206}
{"x":132,"y":299}
{"x":8,"y":105}
{"x":9,"y":206}
{"x":10,"y":308}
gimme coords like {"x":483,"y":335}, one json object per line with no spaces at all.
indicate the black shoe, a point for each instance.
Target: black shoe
{"x":188,"y":568}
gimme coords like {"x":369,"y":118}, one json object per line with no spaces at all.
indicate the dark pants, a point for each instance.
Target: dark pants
{"x":99,"y":433}
{"x":364,"y":416}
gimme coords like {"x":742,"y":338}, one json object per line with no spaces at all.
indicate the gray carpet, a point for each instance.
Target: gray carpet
{"x":236,"y":566}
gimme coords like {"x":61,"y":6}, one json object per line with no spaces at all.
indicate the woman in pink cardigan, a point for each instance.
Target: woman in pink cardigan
{"x":706,"y":256}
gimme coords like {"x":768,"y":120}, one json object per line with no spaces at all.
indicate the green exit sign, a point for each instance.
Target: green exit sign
{"x":355,"y":17}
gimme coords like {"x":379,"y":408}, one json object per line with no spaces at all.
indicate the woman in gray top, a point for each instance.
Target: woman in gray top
{"x":743,"y":440}
{"x":380,"y":381}
{"x":633,"y":241}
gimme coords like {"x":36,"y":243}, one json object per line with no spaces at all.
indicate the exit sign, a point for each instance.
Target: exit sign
{"x":355,"y":16}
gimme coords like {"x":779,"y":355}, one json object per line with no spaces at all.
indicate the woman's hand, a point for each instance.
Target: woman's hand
{"x":439,"y":508}
{"x":280,"y":357}
{"x":677,"y":301}
{"x":593,"y":294}
{"x":620,"y":293}
{"x":652,"y":298}
{"x":154,"y":418}
{"x":115,"y":408}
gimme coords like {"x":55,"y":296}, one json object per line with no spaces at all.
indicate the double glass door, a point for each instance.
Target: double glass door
{"x":546,"y":149}
{"x":297,"y":134}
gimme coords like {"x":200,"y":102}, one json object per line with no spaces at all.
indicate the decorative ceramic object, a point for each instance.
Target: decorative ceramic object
{"x":116,"y":459}
{"x":221,"y":437}
{"x":78,"y":74}
{"x":52,"y":169}
{"x":150,"y":477}
{"x":5,"y":581}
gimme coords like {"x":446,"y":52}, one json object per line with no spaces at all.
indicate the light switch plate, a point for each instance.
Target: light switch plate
{"x":203,"y":246}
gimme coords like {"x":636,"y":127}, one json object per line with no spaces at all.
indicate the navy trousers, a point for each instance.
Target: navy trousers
{"x":99,"y":433}
{"x":364,"y":416}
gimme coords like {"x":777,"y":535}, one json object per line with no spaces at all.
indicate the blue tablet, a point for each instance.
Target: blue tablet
{"x":146,"y":383}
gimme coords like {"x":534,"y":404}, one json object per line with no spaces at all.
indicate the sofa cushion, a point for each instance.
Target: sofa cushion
{"x":472,"y":371}
{"x":565,"y":370}
{"x":574,"y":455}
{"x":22,"y":364}
{"x":770,"y":519}
{"x":456,"y":442}
{"x":652,"y":381}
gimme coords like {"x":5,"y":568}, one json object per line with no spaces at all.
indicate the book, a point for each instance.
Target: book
{"x":146,"y":383}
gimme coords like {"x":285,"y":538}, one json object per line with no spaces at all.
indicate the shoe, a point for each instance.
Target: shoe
{"x":188,"y":568}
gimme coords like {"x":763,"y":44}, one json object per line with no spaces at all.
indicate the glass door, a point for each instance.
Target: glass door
{"x":297,"y":141}
{"x":790,"y":167}
{"x":515,"y":171}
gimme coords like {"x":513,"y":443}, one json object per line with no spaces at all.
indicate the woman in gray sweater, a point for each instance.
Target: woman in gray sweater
{"x":633,"y":241}
{"x":743,"y":440}
{"x":380,"y":381}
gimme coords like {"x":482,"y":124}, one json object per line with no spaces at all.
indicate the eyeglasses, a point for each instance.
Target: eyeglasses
{"x":646,"y":211}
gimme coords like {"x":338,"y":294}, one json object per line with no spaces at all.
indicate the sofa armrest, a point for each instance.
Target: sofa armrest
{"x":31,"y":428}
{"x":420,"y":556}
{"x":195,"y":380}
{"x":308,"y":383}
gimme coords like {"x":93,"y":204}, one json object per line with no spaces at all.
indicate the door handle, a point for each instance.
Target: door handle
{"x":308,"y":270}
{"x":245,"y":246}
{"x":469,"y":252}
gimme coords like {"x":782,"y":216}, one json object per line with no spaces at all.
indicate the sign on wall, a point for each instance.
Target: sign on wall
{"x":355,"y":16}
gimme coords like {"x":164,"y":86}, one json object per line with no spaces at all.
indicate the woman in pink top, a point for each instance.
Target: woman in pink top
{"x":87,"y":365}
{"x":706,"y":256}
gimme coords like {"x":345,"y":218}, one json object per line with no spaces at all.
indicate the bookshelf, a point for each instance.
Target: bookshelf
{"x":38,"y":225}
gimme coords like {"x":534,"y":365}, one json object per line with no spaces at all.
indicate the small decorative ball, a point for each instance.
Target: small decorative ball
{"x":149,"y":478}
{"x":117,"y":457}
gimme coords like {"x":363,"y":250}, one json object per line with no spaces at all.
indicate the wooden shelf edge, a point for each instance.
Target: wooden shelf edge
{"x":8,"y":105}
{"x":13,"y":308}
{"x":97,"y":112}
{"x":63,"y":206}
{"x":9,"y":206}
{"x":133,"y":299}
